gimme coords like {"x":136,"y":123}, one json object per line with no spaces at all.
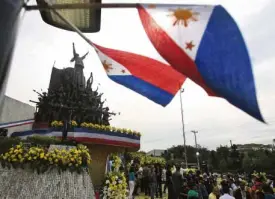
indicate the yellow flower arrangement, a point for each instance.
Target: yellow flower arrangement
{"x":116,"y":162}
{"x":41,"y":160}
{"x":56,"y":123}
{"x":110,"y":129}
{"x":98,"y":127}
{"x":60,"y":123}
{"x":74,"y":123}
{"x":115,"y":185}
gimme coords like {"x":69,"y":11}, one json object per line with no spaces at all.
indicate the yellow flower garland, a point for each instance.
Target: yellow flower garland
{"x":98,"y":127}
{"x":72,"y":159}
{"x":115,"y":185}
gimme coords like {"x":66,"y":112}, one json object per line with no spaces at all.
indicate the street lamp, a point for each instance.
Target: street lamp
{"x":196,"y":144}
{"x":86,"y":20}
{"x":198,"y":159}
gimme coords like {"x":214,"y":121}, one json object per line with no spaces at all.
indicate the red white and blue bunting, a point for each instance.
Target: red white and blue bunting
{"x":16,"y":123}
{"x":87,"y":136}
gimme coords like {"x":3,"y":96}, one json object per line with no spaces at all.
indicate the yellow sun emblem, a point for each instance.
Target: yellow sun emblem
{"x":183,"y":16}
{"x":106,"y":66}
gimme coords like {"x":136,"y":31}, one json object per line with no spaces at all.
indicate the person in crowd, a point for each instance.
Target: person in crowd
{"x":203,"y":194}
{"x":164,"y":179}
{"x":146,"y":171}
{"x":138,"y":186}
{"x":177,"y":179}
{"x":184,"y":189}
{"x":182,"y":168}
{"x":241,"y":192}
{"x":152,"y":182}
{"x":268,"y":192}
{"x":209,"y":185}
{"x":226,"y":191}
{"x":169,"y":181}
{"x":259,"y":195}
{"x":193,"y":192}
{"x":215,"y":193}
{"x":131,"y":181}
{"x":159,"y":180}
{"x":233,"y":186}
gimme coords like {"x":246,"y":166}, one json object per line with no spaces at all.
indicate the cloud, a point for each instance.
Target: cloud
{"x":260,"y":33}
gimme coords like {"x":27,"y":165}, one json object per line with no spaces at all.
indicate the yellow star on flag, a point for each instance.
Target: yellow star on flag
{"x":107,"y":67}
{"x":183,"y":16}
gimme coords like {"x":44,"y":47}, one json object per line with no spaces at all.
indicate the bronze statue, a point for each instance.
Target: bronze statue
{"x":70,"y":97}
{"x":90,"y":82}
{"x":78,"y":79}
{"x":78,"y":60}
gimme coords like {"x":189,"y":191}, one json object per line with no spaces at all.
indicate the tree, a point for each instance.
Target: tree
{"x":236,"y":158}
{"x":223,"y":165}
{"x":212,"y":160}
{"x":247,"y":163}
{"x":223,"y":152}
{"x":227,"y":158}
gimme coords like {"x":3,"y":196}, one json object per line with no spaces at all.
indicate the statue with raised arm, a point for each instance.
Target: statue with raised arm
{"x":90,"y":82}
{"x":77,"y":59}
{"x":78,"y":75}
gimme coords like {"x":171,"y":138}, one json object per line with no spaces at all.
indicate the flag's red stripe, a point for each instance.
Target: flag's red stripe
{"x":169,"y":50}
{"x":152,"y":71}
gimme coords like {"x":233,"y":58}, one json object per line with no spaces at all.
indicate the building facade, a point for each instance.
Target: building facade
{"x":156,"y":152}
{"x":14,"y":111}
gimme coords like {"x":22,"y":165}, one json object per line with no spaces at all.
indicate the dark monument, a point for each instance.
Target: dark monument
{"x":70,"y":97}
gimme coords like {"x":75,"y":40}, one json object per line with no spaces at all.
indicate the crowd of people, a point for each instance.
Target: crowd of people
{"x":180,"y":183}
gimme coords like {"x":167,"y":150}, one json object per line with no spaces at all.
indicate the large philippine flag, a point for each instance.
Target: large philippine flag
{"x":153,"y":79}
{"x":205,"y":44}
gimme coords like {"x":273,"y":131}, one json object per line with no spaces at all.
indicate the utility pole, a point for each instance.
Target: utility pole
{"x":197,"y":153}
{"x":183,"y":131}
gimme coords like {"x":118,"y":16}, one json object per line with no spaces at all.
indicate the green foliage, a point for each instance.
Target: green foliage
{"x":223,"y":165}
{"x":46,"y":140}
{"x":43,"y":140}
{"x":7,"y":142}
{"x":227,"y":158}
{"x":247,"y":163}
{"x":142,"y":158}
{"x":177,"y":152}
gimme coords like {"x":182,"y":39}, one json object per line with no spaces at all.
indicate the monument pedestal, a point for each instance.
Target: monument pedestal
{"x":99,"y":154}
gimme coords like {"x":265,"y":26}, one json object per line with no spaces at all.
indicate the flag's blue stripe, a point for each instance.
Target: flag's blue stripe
{"x":223,"y":61}
{"x":144,"y":88}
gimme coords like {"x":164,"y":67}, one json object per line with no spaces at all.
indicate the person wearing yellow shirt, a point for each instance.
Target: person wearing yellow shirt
{"x":214,"y":194}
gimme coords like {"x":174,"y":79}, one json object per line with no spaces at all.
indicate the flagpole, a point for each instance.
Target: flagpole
{"x":91,"y":5}
{"x":183,"y":129}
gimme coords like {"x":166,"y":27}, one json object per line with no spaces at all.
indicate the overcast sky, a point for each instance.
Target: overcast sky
{"x":218,"y":122}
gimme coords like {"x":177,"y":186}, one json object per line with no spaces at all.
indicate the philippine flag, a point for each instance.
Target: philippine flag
{"x":205,"y":44}
{"x":153,"y":79}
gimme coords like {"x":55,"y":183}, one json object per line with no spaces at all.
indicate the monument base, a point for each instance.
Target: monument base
{"x":99,"y":154}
